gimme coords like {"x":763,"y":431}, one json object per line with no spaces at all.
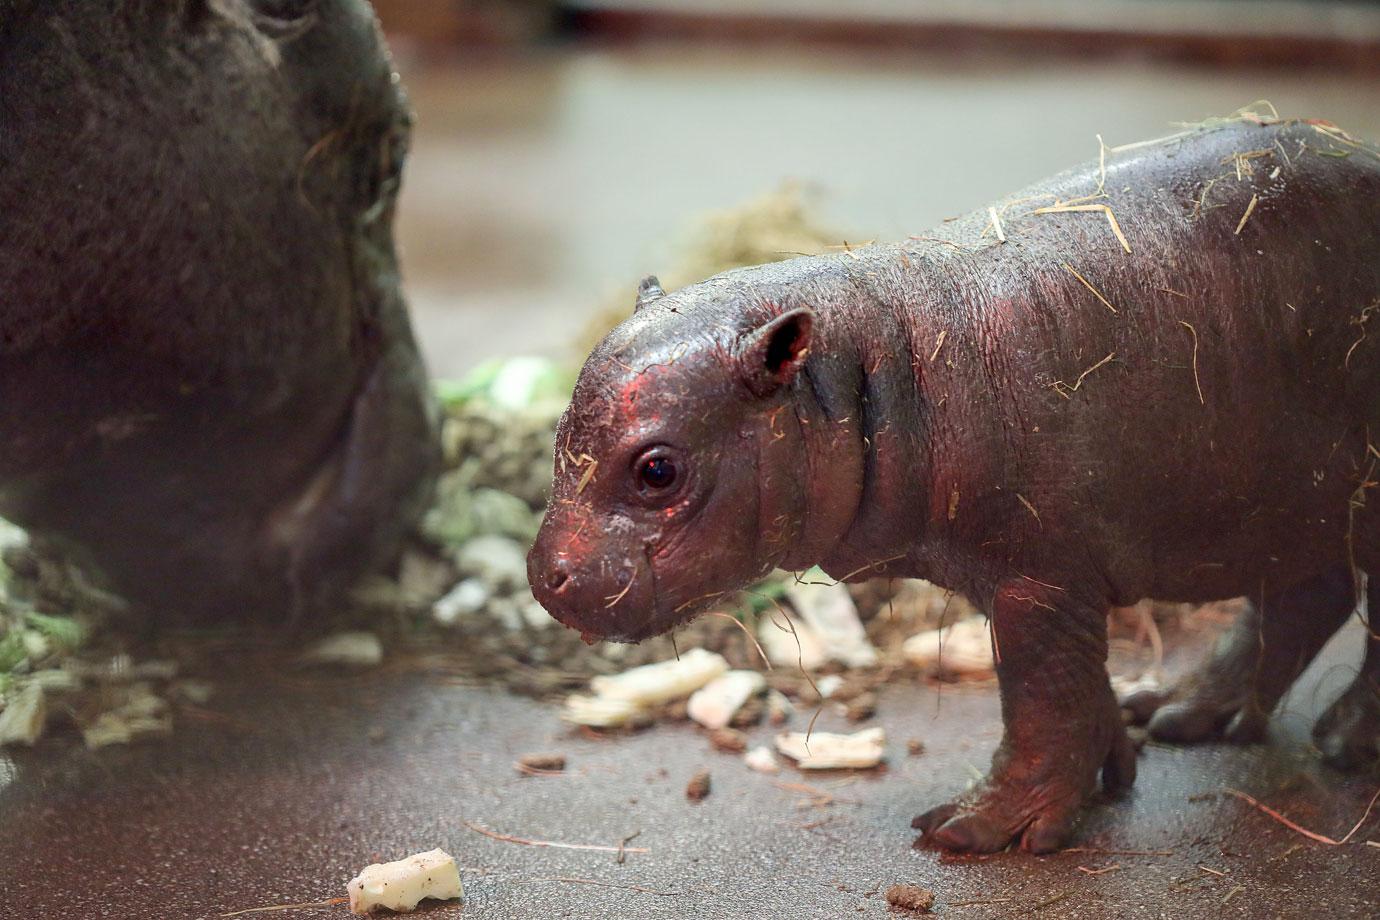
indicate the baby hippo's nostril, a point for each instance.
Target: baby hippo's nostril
{"x":557,"y":575}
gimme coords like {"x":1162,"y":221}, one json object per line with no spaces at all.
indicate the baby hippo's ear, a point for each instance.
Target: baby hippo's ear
{"x":648,"y":291}
{"x":771,"y":355}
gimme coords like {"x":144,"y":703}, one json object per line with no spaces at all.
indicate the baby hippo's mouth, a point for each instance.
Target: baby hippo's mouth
{"x":629,"y":605}
{"x":616,"y":601}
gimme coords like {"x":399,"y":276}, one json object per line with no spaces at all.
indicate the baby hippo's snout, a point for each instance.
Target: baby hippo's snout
{"x":605,"y":597}
{"x":557,"y":574}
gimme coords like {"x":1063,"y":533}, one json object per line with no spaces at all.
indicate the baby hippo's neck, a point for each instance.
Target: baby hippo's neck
{"x":885,"y":403}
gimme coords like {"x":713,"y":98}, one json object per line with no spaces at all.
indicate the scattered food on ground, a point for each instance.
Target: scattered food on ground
{"x":831,"y":615}
{"x":788,"y":642}
{"x":963,"y":649}
{"x":779,"y":708}
{"x":762,"y":760}
{"x":22,"y":721}
{"x":828,"y":751}
{"x":602,"y":712}
{"x":619,"y":699}
{"x":828,"y":685}
{"x":664,"y":681}
{"x":355,"y":649}
{"x":51,"y":675}
{"x":402,"y":885}
{"x":136,"y":712}
{"x":715,"y":704}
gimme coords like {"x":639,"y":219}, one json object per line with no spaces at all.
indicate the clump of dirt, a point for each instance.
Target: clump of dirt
{"x":910,"y":897}
{"x":537,"y":764}
{"x":697,"y":790}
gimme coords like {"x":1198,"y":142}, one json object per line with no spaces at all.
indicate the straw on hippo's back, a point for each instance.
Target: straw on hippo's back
{"x":1145,"y":378}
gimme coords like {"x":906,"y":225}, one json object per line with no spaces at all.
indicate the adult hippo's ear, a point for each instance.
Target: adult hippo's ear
{"x":771,"y":355}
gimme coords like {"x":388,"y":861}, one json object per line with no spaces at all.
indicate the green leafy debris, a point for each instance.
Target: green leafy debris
{"x":64,"y":632}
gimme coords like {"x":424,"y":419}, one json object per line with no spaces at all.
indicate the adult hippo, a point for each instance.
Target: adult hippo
{"x":208,"y":383}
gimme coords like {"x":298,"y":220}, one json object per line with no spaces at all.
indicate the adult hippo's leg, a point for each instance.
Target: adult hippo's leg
{"x":1252,"y":666}
{"x":1061,"y":722}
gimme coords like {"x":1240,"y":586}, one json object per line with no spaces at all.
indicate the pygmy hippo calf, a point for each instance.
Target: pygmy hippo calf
{"x":1150,"y":377}
{"x":208,"y":382}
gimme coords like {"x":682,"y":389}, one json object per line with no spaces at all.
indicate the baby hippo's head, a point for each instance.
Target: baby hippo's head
{"x":672,"y":482}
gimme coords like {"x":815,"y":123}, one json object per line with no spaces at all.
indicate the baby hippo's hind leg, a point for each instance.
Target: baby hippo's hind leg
{"x":1252,"y":666}
{"x":1348,"y":733}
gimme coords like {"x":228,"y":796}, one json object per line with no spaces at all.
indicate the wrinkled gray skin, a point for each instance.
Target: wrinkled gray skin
{"x":209,"y":387}
{"x":1051,"y":425}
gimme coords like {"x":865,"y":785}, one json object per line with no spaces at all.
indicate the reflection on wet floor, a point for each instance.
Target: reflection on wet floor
{"x":540,"y":184}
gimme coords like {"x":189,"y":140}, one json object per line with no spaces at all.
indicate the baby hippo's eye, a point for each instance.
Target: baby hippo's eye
{"x":656,"y":471}
{"x":659,"y":473}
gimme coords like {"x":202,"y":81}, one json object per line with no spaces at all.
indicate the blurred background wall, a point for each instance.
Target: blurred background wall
{"x":564,"y":149}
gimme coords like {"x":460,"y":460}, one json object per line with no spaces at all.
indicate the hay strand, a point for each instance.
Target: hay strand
{"x":938,"y":344}
{"x":1247,"y":216}
{"x":1064,"y":390}
{"x":1088,"y":284}
{"x":523,"y":841}
{"x":1196,"y":382}
{"x":1101,"y":208}
{"x":1311,"y":835}
{"x":996,"y":224}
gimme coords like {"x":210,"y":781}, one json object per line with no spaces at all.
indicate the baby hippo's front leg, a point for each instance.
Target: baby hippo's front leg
{"x":1061,"y":724}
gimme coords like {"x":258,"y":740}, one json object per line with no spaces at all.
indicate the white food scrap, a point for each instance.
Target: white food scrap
{"x":829,"y":611}
{"x":762,"y":760}
{"x":715,"y":704}
{"x":23,"y":718}
{"x":789,"y":642}
{"x":599,"y":711}
{"x":138,"y":712}
{"x":654,"y":684}
{"x":963,"y":649}
{"x":352,"y":649}
{"x":402,"y":885}
{"x":623,"y":698}
{"x":825,"y":751}
{"x":779,"y":707}
{"x":828,"y":685}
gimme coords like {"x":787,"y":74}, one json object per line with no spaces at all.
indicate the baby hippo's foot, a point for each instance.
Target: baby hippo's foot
{"x":1348,"y":733}
{"x":1217,"y":696}
{"x":1034,"y":791}
{"x":1252,"y":666}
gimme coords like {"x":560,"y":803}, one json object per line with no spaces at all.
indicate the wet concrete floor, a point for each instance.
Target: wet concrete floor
{"x":282,"y":787}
